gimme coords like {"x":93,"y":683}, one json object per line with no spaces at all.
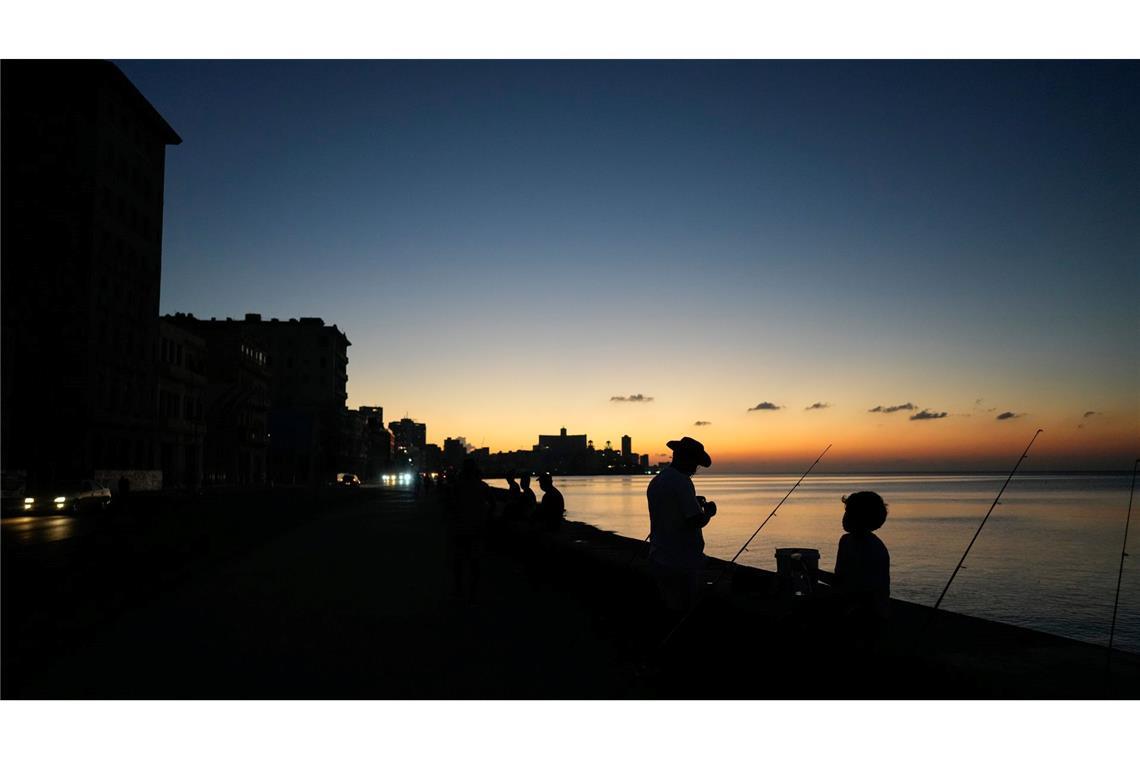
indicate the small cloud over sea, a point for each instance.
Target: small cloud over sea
{"x":907,"y":407}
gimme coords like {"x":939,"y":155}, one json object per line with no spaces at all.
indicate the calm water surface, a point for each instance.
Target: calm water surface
{"x":1047,"y":559}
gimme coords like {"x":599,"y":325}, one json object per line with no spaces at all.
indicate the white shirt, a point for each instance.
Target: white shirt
{"x":672,"y":500}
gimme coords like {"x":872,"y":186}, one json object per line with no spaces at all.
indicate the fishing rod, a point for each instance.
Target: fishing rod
{"x":958,"y":567}
{"x":770,"y":516}
{"x":1120,"y":572}
{"x":732,"y":561}
{"x":637,"y":549}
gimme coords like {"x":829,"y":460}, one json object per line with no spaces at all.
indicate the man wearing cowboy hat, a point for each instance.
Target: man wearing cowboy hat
{"x":676,"y":516}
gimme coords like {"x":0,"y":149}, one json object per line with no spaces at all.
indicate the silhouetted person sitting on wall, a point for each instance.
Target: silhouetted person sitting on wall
{"x":470,"y":510}
{"x":676,"y":517}
{"x":527,"y":497}
{"x":863,"y":567}
{"x":552,"y":508}
{"x":513,"y":509}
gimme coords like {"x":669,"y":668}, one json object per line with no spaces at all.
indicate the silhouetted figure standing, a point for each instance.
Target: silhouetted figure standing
{"x":676,"y":517}
{"x":471,"y":507}
{"x":513,"y":508}
{"x":863,"y":568}
{"x":528,"y":499}
{"x":553,"y":506}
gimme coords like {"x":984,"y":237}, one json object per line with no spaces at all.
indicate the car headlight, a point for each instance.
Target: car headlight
{"x":59,"y":499}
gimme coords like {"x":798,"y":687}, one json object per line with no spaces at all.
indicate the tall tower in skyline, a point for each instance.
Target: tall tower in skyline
{"x":626,"y":447}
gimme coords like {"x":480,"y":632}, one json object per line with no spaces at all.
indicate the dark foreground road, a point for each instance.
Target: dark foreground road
{"x":346,"y":599}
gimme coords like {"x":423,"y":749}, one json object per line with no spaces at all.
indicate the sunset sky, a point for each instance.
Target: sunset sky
{"x":510,"y":246}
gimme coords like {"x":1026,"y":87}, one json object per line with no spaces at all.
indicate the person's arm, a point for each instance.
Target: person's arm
{"x":698,"y":521}
{"x":697,"y":514}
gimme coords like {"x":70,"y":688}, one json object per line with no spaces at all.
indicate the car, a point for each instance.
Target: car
{"x":69,"y":496}
{"x":347,"y":479}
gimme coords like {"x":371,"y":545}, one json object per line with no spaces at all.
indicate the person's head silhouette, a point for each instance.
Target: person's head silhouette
{"x":524,"y":481}
{"x":689,"y":454}
{"x":863,"y":512}
{"x":545,"y":482}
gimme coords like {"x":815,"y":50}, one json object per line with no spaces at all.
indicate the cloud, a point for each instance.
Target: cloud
{"x":926,"y":414}
{"x":1090,"y":414}
{"x":702,"y":423}
{"x":764,"y":406}
{"x":817,"y":405}
{"x":907,"y":407}
{"x":635,"y":397}
{"x":1008,"y":416}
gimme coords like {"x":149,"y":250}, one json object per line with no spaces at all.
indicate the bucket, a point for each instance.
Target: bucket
{"x":796,"y":570}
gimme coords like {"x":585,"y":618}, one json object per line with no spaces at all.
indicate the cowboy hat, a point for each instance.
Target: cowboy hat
{"x":693,"y":448}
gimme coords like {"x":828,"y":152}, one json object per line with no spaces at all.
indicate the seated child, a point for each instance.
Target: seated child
{"x":863,"y":564}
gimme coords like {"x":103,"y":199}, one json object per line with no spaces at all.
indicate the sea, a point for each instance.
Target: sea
{"x":1047,"y":558}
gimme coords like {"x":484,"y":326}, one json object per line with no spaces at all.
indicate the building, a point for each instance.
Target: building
{"x":409,"y":433}
{"x":83,"y":161}
{"x":563,"y":453}
{"x":627,"y":449}
{"x":312,"y":437}
{"x":455,"y":450}
{"x":181,"y":405}
{"x":432,"y":458}
{"x":236,"y":400}
{"x":410,"y":443}
{"x":562,"y":443}
{"x":378,"y":443}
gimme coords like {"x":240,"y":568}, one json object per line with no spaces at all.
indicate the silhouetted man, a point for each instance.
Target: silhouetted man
{"x":676,"y":517}
{"x":513,"y":508}
{"x":553,"y":506}
{"x":471,"y":506}
{"x":529,"y":499}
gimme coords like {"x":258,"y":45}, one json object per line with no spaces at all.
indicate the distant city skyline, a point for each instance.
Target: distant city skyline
{"x":757,"y":254}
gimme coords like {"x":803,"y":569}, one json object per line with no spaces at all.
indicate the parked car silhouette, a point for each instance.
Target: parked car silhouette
{"x":347,"y":479}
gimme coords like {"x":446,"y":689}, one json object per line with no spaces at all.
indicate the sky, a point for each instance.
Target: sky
{"x":772,"y":249}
